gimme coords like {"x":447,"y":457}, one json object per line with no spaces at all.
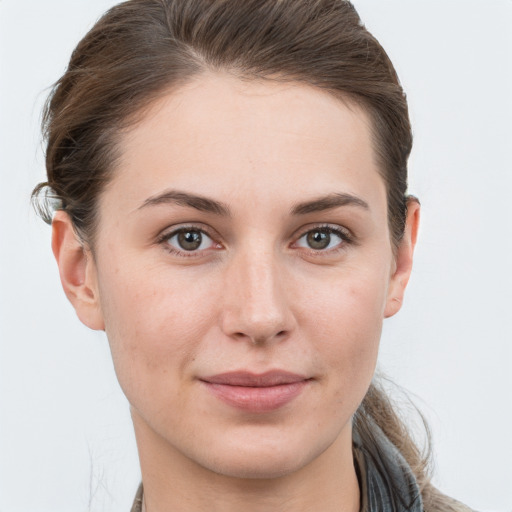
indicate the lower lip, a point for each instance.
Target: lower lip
{"x":257,"y":399}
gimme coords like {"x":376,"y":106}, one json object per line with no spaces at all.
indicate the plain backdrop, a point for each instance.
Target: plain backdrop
{"x":66,"y":441}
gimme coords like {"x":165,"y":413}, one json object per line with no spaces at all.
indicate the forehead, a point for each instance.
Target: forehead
{"x":234,"y":139}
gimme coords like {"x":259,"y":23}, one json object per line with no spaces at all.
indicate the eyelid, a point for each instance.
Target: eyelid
{"x":344,"y":233}
{"x":165,"y":235}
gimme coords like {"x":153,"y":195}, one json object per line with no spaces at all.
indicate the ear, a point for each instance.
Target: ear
{"x":403,"y":259}
{"x":77,"y":271}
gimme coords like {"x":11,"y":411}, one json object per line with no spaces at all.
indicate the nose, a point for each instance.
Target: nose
{"x":255,"y":305}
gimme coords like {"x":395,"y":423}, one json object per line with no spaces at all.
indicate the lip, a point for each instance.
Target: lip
{"x":256,"y":393}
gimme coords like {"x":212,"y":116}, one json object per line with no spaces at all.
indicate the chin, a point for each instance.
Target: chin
{"x":264,"y":466}
{"x":266,"y":459}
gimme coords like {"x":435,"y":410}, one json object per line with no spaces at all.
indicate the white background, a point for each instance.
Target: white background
{"x":66,"y":441}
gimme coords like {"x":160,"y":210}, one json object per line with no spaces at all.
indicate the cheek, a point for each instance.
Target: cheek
{"x":154,"y":324}
{"x":346,"y":320}
{"x":347,"y":306}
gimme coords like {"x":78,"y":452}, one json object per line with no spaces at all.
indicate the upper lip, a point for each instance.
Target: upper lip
{"x":249,"y":379}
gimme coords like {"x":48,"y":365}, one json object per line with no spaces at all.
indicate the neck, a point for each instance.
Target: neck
{"x":174,"y":482}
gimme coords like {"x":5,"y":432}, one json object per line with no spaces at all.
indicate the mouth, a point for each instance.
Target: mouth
{"x":256,"y":393}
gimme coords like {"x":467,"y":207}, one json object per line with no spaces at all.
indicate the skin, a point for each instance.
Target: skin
{"x":255,"y":296}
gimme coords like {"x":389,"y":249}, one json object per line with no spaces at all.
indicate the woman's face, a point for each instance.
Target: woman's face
{"x":242,"y":270}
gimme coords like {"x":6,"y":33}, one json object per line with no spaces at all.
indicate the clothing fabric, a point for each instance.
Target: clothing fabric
{"x":386,"y":482}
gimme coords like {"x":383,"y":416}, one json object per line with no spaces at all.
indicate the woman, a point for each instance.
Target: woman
{"x":229,"y":180}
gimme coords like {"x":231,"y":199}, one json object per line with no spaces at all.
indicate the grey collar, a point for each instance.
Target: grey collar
{"x":386,"y":481}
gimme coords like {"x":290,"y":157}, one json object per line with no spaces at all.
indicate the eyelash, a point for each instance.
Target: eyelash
{"x":344,"y":234}
{"x":166,"y":237}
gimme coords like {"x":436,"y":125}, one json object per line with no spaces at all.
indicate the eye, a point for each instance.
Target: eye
{"x":188,"y":240}
{"x":321,"y":239}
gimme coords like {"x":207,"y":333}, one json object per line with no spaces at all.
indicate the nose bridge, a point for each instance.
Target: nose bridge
{"x":255,"y":305}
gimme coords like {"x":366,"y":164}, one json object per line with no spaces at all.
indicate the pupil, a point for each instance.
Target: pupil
{"x":189,"y":240}
{"x":319,"y":239}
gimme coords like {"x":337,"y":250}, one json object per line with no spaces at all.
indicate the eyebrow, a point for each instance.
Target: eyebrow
{"x":328,"y":202}
{"x":200,"y":203}
{"x":205,"y":204}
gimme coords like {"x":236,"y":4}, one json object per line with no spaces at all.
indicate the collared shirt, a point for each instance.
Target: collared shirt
{"x":386,"y":481}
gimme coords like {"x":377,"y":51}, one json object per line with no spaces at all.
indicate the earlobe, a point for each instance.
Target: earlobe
{"x":77,"y":271}
{"x":403,"y":260}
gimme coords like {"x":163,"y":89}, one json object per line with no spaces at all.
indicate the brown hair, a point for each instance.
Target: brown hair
{"x":141,"y":49}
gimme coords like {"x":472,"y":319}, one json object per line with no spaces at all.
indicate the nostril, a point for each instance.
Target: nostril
{"x":257,"y":340}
